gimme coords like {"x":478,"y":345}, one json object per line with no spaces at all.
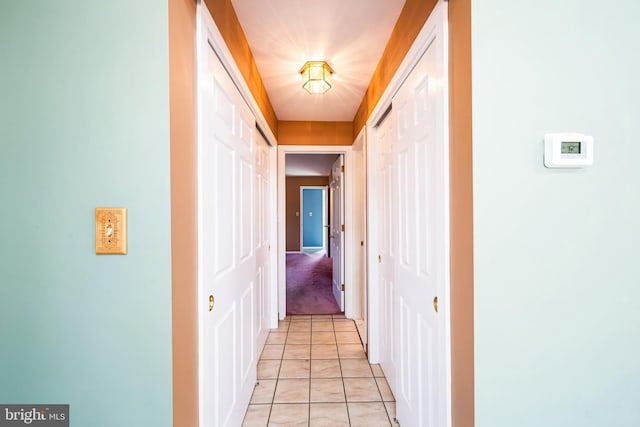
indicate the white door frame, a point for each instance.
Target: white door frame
{"x":283,"y":150}
{"x":324,"y":213}
{"x":414,"y":54}
{"x":361,"y":245}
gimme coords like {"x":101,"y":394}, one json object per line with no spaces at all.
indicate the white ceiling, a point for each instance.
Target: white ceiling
{"x":309,"y":164}
{"x":349,"y":34}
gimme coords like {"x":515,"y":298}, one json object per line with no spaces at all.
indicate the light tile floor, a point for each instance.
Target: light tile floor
{"x":313,"y":372}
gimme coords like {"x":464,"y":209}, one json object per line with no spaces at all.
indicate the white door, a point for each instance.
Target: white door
{"x":386,"y":221}
{"x":416,"y":285}
{"x":359,"y":288}
{"x":336,"y":208}
{"x":262,"y":236}
{"x":227,"y":250}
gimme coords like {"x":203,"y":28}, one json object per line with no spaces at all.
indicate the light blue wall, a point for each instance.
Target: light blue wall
{"x":557,"y":252}
{"x":312,"y":226}
{"x":84,"y":123}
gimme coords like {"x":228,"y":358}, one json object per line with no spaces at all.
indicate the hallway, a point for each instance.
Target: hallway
{"x":309,"y":285}
{"x":313,"y":372}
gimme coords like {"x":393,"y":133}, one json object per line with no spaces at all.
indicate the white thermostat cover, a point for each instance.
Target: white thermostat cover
{"x":568,"y":150}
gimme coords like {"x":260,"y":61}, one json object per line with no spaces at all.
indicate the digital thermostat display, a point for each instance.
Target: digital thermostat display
{"x":568,"y":150}
{"x":569,"y":147}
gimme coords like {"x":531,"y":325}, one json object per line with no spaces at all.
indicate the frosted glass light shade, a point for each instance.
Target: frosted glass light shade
{"x":316,"y":76}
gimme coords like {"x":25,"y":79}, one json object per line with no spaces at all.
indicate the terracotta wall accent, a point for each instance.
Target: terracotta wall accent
{"x":293,"y":184}
{"x":412,"y":18}
{"x":182,"y":105}
{"x":461,"y":217}
{"x":315,"y":133}
{"x":227,"y":22}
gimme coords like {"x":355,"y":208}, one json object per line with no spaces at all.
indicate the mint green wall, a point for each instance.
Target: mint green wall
{"x":557,"y":252}
{"x":84,"y":123}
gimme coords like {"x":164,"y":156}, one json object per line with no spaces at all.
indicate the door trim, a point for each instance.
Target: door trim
{"x":283,"y":150}
{"x":361,"y":242}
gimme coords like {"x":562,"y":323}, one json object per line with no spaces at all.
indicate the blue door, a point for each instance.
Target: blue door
{"x":312,"y":221}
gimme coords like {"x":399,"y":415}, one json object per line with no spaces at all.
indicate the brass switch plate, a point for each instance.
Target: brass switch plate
{"x":111,"y":231}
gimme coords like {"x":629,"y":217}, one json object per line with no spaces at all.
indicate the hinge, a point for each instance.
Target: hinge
{"x":342,"y":168}
{"x":343,"y":227}
{"x":343,"y":287}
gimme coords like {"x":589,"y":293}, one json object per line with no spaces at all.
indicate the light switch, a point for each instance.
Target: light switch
{"x":111,"y":231}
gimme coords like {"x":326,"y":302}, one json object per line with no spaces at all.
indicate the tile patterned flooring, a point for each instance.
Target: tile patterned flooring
{"x":313,"y":372}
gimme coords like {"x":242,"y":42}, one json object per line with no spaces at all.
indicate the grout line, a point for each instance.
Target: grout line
{"x":309,"y":377}
{"x":382,"y":399}
{"x":275,"y":388}
{"x":344,"y":388}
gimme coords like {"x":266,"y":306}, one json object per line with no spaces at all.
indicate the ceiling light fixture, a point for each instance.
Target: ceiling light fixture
{"x":317,"y":76}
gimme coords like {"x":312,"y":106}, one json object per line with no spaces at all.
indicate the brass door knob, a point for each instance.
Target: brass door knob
{"x":435,"y":303}
{"x":379,"y":259}
{"x":211,"y":299}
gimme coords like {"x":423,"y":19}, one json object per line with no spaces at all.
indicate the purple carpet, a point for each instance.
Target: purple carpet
{"x":309,"y":285}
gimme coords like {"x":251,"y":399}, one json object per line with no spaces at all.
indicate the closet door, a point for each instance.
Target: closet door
{"x":385,"y":135}
{"x":227,"y":247}
{"x":262,"y":236}
{"x":414,"y":239}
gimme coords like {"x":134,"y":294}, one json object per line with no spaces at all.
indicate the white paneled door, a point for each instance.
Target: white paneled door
{"x":386,"y":238}
{"x":262,"y":240}
{"x":336,"y":237}
{"x":413,"y":238}
{"x":386,"y":221}
{"x":232,"y":235}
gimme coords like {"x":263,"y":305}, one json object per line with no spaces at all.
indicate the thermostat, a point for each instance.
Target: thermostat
{"x":568,"y":150}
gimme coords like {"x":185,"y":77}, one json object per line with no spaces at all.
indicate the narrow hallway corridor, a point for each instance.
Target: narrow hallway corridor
{"x":313,"y":372}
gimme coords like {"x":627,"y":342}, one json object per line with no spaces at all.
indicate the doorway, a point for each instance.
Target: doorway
{"x":311,"y":255}
{"x":314,"y":221}
{"x":281,"y":252}
{"x":296,"y":160}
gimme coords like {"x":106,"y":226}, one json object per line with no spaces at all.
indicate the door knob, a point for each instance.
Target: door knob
{"x":435,"y":303}
{"x":211,"y":299}
{"x":379,"y":259}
